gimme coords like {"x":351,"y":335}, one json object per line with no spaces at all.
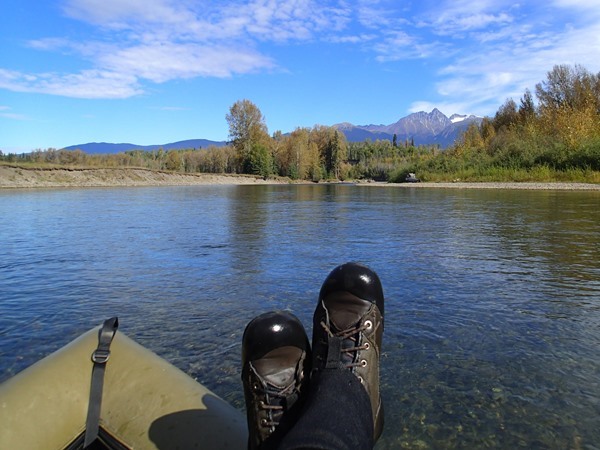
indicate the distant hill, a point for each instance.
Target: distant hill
{"x":421,"y":127}
{"x":105,"y":147}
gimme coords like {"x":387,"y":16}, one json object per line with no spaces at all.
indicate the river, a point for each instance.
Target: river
{"x":492,"y":327}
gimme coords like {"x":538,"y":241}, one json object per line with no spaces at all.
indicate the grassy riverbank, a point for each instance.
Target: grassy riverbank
{"x":538,"y":174}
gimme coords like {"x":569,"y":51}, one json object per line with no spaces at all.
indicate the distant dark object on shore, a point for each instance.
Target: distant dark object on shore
{"x":411,"y":178}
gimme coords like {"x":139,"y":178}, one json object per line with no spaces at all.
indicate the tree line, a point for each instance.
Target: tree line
{"x":554,"y":136}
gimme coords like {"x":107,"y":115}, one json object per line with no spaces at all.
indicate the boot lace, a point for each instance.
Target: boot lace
{"x":275,"y":402}
{"x":351,"y":334}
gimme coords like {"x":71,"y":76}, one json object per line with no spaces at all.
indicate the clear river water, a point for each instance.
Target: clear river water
{"x":492,"y":327}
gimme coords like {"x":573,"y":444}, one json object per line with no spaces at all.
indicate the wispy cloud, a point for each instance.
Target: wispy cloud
{"x":459,"y":17}
{"x":85,"y":84}
{"x":361,"y":38}
{"x":167,"y":61}
{"x":162,"y":40}
{"x":375,"y":14}
{"x":6,"y":114}
{"x":508,"y":50}
{"x":118,"y":14}
{"x":480,"y":52}
{"x":590,"y":6}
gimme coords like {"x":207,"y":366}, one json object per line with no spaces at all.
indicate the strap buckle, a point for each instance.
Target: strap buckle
{"x":100,"y":356}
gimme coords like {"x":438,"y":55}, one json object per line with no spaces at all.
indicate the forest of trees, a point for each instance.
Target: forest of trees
{"x":555,"y":136}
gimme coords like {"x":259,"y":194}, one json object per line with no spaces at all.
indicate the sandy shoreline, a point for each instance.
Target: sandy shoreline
{"x":16,"y":177}
{"x":12,"y":177}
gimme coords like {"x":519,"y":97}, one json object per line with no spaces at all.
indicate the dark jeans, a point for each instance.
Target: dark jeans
{"x":337,"y":415}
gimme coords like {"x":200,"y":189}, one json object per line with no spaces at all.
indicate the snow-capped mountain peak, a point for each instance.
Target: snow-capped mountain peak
{"x":421,"y":127}
{"x":454,"y":118}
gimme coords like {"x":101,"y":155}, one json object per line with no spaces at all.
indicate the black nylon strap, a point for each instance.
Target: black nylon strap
{"x":334,"y":353}
{"x":99,"y":357}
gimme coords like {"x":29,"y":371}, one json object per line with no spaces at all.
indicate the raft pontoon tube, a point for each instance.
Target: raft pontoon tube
{"x":147,"y":403}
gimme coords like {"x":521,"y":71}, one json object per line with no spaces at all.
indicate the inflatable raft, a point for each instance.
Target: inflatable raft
{"x":146,"y":403}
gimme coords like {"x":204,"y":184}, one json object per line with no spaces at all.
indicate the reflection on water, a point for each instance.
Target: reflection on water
{"x":492,"y":334}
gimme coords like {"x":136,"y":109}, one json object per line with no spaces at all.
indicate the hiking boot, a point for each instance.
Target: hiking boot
{"x":348,"y":329}
{"x":275,"y":369}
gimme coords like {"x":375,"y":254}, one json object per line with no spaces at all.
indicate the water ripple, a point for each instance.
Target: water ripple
{"x":492,"y":332}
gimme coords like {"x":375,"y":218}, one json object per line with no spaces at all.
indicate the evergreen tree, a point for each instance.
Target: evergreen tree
{"x":526,"y":108}
{"x":506,"y":116}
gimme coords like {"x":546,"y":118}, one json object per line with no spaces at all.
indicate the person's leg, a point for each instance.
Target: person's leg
{"x":344,"y":409}
{"x":275,"y":372}
{"x":337,"y":415}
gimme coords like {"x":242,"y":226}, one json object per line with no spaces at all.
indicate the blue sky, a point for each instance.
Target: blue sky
{"x":159,"y":71}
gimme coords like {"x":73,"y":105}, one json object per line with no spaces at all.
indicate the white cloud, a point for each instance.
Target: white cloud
{"x":371,"y":15}
{"x":477,"y":21}
{"x":13,"y":116}
{"x":85,"y":84}
{"x":400,"y":46}
{"x":90,"y":84}
{"x":139,"y":41}
{"x":499,"y":50}
{"x":480,"y":52}
{"x":283,"y":20}
{"x":396,"y":45}
{"x":587,"y":5}
{"x":6,"y":114}
{"x":124,"y":13}
{"x":353,"y":39}
{"x":278,"y":20}
{"x":164,"y":62}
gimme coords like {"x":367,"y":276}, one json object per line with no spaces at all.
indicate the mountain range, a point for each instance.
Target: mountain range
{"x":105,"y":147}
{"x":420,"y":128}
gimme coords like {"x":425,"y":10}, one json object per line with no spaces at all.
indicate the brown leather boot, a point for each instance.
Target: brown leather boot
{"x":348,"y":329}
{"x":275,"y":373}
